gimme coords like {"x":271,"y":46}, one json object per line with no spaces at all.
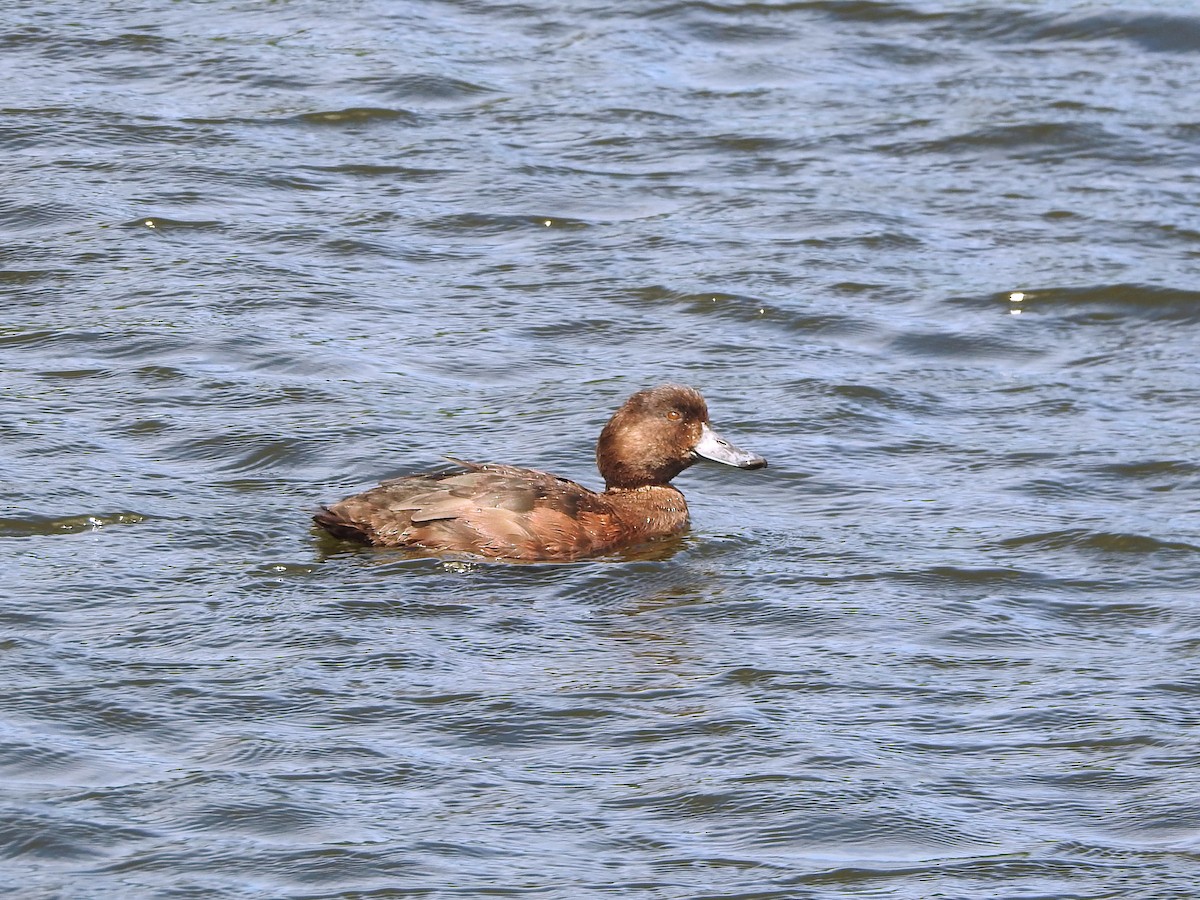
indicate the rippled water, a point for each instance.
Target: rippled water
{"x":937,"y":261}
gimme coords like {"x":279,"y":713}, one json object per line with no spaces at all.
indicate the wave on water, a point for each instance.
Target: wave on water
{"x":1154,"y":33}
{"x":1103,"y":541}
{"x":356,"y":116}
{"x":424,"y":88}
{"x":158,"y":223}
{"x":1104,"y":301}
{"x":37,"y":526}
{"x":1044,"y":141}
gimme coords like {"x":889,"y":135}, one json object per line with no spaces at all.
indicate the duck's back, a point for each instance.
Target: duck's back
{"x":488,"y":510}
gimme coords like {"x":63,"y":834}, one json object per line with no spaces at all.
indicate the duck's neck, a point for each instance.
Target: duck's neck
{"x":651,"y":510}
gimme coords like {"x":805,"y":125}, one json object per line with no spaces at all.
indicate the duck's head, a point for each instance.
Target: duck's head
{"x":659,"y":432}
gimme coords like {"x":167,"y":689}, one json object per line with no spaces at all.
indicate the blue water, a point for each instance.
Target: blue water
{"x":937,"y":262}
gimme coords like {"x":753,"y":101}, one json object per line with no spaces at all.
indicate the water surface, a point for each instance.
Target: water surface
{"x":937,"y":262}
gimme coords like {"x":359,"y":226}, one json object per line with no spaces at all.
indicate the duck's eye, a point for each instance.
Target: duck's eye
{"x":674,"y":415}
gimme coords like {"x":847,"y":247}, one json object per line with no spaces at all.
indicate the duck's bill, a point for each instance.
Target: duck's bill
{"x":713,"y":446}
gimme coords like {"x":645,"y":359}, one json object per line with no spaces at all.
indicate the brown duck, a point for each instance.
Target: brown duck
{"x":506,"y":512}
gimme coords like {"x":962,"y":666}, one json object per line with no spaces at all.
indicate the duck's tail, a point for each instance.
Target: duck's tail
{"x":339,"y":527}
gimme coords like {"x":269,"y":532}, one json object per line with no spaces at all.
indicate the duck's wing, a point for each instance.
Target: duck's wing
{"x":488,"y":510}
